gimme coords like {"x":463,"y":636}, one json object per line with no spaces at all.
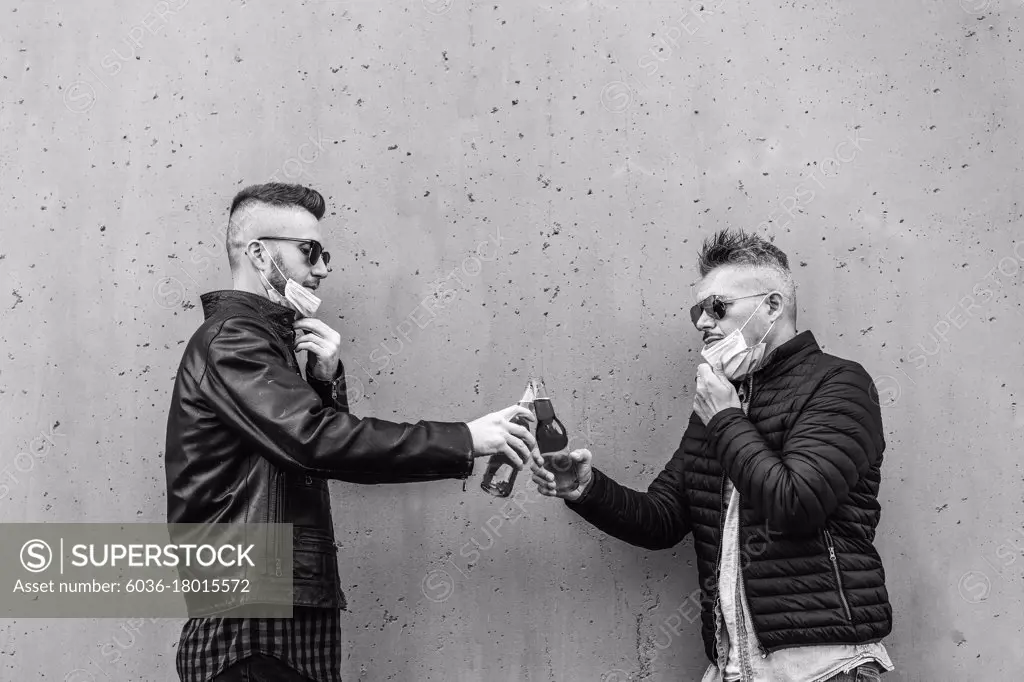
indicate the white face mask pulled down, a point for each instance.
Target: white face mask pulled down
{"x":732,"y":356}
{"x":297,"y":297}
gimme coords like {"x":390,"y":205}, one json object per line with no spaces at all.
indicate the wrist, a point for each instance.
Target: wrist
{"x":469,"y":447}
{"x":583,"y":490}
{"x":717,"y":417}
{"x":317,"y":370}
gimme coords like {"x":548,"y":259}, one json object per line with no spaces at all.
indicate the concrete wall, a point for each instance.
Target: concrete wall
{"x":540,"y":172}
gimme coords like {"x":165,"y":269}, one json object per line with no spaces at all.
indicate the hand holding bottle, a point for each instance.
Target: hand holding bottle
{"x":498,"y":433}
{"x":547,"y":480}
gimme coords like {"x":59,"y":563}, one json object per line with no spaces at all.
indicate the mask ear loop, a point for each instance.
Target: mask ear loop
{"x":773,"y":321}
{"x":755,"y":311}
{"x":256,"y":241}
{"x":278,"y":268}
{"x":263,"y":278}
{"x":270,"y":256}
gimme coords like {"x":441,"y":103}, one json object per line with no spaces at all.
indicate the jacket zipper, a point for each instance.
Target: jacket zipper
{"x":718,"y":559}
{"x":743,"y":577}
{"x":753,"y":630}
{"x":271,"y":501}
{"x":280,"y":516}
{"x":839,"y":579}
{"x":277,"y":491}
{"x":274,"y":518}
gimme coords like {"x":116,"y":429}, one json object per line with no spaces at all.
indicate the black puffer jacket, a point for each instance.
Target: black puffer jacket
{"x":806,"y":464}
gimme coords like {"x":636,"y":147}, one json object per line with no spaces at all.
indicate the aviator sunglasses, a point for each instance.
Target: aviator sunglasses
{"x":715,"y":306}
{"x":316,"y":249}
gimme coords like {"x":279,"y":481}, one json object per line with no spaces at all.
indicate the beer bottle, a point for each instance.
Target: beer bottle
{"x":553,"y":444}
{"x":500,"y":475}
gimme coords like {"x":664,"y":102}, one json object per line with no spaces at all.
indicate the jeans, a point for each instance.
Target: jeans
{"x":869,"y":672}
{"x":260,"y":668}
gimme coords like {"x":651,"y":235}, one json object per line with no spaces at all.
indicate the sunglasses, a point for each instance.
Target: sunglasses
{"x":316,"y":249}
{"x":715,"y":306}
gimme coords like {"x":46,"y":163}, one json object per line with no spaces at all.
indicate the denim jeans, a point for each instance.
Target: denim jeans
{"x":260,"y":668}
{"x":869,"y":672}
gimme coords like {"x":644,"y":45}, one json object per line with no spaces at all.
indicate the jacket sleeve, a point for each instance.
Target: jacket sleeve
{"x":332,"y":393}
{"x":833,"y":442}
{"x":657,"y":519}
{"x":251,"y":388}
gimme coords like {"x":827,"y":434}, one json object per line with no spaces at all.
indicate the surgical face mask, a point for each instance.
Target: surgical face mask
{"x":732,"y":356}
{"x":297,"y":297}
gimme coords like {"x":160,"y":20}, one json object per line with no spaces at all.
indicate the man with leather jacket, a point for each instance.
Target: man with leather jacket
{"x":777,"y":477}
{"x":249,"y":440}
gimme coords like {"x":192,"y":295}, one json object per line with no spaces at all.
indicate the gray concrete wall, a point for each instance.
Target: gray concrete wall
{"x":540,"y":173}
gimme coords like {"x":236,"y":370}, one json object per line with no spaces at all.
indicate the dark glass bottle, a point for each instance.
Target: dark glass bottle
{"x":553,"y":444}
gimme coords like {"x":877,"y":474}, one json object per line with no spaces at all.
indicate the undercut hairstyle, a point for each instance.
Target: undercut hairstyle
{"x":272,"y":194}
{"x":738,"y":248}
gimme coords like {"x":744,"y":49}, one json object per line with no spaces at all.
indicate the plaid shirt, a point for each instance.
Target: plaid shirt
{"x":309,"y":642}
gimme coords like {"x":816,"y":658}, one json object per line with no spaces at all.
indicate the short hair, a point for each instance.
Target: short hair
{"x":739,"y":248}
{"x":273,"y":194}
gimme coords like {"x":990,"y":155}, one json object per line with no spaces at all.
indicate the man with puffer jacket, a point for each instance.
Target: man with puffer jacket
{"x":777,"y":478}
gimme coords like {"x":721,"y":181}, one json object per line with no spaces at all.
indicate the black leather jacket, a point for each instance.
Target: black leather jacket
{"x":250,"y":441}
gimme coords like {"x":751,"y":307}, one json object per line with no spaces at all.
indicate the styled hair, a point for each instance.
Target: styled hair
{"x":272,"y":194}
{"x":736,"y":247}
{"x":280,"y":194}
{"x":739,"y":248}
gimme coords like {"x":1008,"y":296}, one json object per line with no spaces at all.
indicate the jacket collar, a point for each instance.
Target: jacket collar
{"x":277,"y":317}
{"x":789,"y":354}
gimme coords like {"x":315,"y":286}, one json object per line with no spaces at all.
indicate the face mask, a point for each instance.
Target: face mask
{"x":297,"y":297}
{"x":732,"y":355}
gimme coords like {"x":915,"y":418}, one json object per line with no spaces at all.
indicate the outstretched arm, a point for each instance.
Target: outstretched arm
{"x":248,"y":384}
{"x":657,"y":519}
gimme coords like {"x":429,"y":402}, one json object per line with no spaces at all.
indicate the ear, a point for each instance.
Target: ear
{"x":257,"y":253}
{"x":776,"y":305}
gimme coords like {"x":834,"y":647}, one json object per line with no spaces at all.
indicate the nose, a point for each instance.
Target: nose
{"x":321,"y":269}
{"x":705,"y":323}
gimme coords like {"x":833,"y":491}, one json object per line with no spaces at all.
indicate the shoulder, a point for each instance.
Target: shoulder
{"x":238,"y":333}
{"x":225,"y":328}
{"x":233,"y":338}
{"x":835,"y":367}
{"x":843,"y":378}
